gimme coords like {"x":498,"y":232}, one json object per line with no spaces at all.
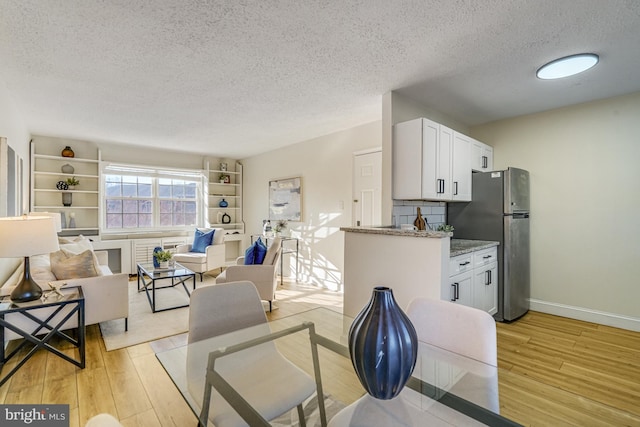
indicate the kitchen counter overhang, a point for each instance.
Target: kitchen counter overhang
{"x":391,"y":231}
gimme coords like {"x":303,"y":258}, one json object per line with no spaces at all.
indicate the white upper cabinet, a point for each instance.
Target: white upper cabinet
{"x":461,"y":174}
{"x":430,"y":162}
{"x":481,"y":156}
{"x":422,"y":161}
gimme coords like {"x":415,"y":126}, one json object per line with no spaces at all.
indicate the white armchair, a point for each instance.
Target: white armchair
{"x":262,"y":275}
{"x":214,"y":256}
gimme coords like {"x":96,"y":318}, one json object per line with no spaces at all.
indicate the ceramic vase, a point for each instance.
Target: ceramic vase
{"x":68,"y":152}
{"x":157,"y":249}
{"x":67,"y":168}
{"x":223,"y":203}
{"x":383,"y":345}
{"x":67,"y":199}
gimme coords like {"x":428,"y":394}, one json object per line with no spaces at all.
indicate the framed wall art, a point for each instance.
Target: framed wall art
{"x":285,"y":199}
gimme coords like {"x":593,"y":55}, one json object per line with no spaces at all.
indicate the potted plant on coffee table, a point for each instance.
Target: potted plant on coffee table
{"x":163,"y":258}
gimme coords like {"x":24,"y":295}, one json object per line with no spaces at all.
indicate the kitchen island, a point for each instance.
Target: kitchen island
{"x":412,"y":263}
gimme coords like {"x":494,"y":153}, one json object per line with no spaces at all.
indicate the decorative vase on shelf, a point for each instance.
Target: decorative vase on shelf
{"x":420,"y":223}
{"x":223,"y":203}
{"x":226,"y":219}
{"x":67,"y":199}
{"x":68,"y":152}
{"x":383,"y":345}
{"x":219,"y":217}
{"x":67,"y":168}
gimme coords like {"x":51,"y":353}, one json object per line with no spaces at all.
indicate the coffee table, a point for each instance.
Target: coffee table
{"x":148,"y":275}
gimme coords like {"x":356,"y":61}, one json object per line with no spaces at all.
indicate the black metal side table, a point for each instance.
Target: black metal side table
{"x":48,"y":316}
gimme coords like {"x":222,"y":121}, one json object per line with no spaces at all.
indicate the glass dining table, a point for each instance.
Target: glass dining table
{"x":446,"y":387}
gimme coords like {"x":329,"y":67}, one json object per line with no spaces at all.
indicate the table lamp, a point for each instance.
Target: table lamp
{"x":24,"y":236}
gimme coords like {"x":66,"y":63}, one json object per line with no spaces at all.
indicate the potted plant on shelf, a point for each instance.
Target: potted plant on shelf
{"x":163,"y":258}
{"x":72,"y":182}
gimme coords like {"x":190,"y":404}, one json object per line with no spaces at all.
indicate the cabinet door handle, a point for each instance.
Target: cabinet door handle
{"x":455,"y":186}
{"x":453,"y":289}
{"x":442,"y":187}
{"x":457,"y":291}
{"x":490,"y":277}
{"x":487,"y":279}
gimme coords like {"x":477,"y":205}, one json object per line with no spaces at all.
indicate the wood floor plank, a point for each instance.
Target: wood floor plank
{"x":145,"y":419}
{"x":95,"y":394}
{"x":171,"y":409}
{"x":61,"y":390}
{"x":128,"y":393}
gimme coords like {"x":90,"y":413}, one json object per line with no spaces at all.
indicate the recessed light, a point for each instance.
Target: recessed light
{"x":567,"y":66}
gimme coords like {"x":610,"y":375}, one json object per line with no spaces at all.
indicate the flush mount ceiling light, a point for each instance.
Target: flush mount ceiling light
{"x":567,"y":66}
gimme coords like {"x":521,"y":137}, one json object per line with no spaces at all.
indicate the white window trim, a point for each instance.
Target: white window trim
{"x":197,"y":175}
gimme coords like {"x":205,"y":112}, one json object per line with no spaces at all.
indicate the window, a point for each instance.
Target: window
{"x":148,"y":199}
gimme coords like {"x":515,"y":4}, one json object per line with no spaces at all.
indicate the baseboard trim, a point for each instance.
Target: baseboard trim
{"x":588,"y":315}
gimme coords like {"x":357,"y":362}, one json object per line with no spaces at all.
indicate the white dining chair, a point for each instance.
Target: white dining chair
{"x":455,"y":328}
{"x":269,"y":382}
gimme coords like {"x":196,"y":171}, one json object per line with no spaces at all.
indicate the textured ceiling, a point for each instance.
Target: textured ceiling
{"x":238,"y":78}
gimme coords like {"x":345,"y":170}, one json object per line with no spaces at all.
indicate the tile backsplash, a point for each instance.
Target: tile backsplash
{"x":434,"y":213}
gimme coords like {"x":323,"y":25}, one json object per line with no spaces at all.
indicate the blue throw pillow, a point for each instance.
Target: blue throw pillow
{"x":255,"y":253}
{"x":201,"y":240}
{"x":261,"y":251}
{"x":250,"y":255}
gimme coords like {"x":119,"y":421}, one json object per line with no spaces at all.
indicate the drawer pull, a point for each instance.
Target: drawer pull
{"x":462,"y":264}
{"x":487,"y":256}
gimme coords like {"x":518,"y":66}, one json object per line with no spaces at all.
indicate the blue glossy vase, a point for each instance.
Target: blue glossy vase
{"x":157,"y":249}
{"x":383,"y":345}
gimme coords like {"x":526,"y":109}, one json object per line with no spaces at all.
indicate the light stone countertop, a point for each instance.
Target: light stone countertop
{"x":463,"y":246}
{"x":392,"y":231}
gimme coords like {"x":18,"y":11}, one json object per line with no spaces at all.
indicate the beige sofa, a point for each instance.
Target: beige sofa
{"x":106,"y":296}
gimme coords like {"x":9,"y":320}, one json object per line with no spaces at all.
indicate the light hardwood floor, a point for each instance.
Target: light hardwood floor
{"x":553,"y":372}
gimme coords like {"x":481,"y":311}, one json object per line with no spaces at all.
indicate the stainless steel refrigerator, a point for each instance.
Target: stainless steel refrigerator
{"x":499,"y":211}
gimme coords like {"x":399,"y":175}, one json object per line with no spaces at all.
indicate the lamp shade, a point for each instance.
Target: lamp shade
{"x":57,"y":218}
{"x":24,"y":236}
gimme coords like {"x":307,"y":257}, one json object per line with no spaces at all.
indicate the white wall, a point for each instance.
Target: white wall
{"x":326,"y":167}
{"x":13,"y":128}
{"x":585,"y":232}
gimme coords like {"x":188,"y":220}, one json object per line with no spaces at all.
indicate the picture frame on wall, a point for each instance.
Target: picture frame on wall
{"x":285,"y":199}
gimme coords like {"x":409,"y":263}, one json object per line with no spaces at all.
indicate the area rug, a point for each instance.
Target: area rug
{"x":311,"y":412}
{"x":146,"y":326}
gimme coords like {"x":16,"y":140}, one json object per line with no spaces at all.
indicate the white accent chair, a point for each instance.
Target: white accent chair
{"x":263,"y":276}
{"x":217,"y":316}
{"x":453,"y":327}
{"x":214,"y":256}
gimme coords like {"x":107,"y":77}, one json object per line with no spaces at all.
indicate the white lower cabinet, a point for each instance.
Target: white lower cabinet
{"x":460,"y":288}
{"x":485,"y":291}
{"x":473,"y":280}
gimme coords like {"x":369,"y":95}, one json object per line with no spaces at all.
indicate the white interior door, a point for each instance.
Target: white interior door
{"x":367,"y":188}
